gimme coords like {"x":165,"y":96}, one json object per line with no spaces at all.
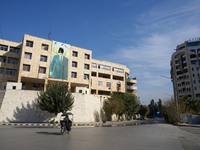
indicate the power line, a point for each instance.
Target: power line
{"x":165,"y":77}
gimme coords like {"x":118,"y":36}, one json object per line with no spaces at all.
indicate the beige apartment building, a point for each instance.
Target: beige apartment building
{"x":185,"y":64}
{"x":35,"y":62}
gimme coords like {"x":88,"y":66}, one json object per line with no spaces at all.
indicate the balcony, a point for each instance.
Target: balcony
{"x":180,"y":75}
{"x":192,"y":53}
{"x":179,"y":69}
{"x":178,"y":64}
{"x":134,"y":81}
{"x":177,"y":58}
{"x":131,"y":87}
{"x":185,"y":67}
{"x":195,"y":58}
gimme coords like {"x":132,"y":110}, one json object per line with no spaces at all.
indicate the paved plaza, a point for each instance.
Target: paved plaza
{"x":156,"y":135}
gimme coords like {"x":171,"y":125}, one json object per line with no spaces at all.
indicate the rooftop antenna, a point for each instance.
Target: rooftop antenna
{"x":49,"y":35}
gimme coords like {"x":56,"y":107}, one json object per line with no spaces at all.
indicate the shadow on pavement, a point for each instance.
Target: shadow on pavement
{"x":49,"y":133}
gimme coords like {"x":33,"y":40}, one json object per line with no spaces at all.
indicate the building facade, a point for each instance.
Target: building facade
{"x":185,"y":64}
{"x":35,"y":62}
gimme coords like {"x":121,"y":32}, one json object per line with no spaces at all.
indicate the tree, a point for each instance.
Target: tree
{"x":160,"y":107}
{"x":132,"y":104}
{"x":152,"y":108}
{"x":171,"y":111}
{"x":121,"y":103}
{"x":191,"y":105}
{"x":144,"y":110}
{"x":55,"y":99}
{"x":115,"y":104}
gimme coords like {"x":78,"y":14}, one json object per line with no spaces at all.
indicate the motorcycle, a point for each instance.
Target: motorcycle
{"x":66,"y":122}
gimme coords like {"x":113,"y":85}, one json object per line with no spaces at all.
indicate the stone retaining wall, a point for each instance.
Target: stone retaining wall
{"x":21,"y":106}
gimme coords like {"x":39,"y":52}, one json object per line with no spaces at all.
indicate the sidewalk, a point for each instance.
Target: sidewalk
{"x":187,"y":125}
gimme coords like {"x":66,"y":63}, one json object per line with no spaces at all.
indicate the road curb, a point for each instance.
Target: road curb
{"x":74,"y":124}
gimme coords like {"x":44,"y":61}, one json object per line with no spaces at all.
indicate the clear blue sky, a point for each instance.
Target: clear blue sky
{"x":141,"y":34}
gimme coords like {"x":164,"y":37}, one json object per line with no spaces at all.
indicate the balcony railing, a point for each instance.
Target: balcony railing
{"x":131,"y":87}
{"x":178,"y":64}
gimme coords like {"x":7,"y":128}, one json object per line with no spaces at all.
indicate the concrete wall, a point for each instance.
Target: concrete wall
{"x":190,"y":118}
{"x":21,"y":106}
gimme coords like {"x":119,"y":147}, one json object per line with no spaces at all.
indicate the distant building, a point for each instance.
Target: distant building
{"x":185,"y":64}
{"x":35,"y":62}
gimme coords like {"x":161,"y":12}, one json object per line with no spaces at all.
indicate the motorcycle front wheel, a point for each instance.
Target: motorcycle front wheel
{"x":63,"y":130}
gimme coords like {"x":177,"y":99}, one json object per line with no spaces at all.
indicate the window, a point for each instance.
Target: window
{"x":14,"y":50}
{"x":118,"y":85}
{"x":11,"y":72}
{"x":43,"y":58}
{"x":29,"y":43}
{"x":13,"y":60}
{"x":100,"y":83}
{"x":87,"y":56}
{"x":86,"y":66}
{"x":195,"y":88}
{"x":26,"y":67}
{"x":197,"y":95}
{"x":80,"y":91}
{"x":2,"y":59}
{"x":73,"y":74}
{"x":193,"y":44}
{"x":192,"y":51}
{"x":194,"y":81}
{"x":86,"y":76}
{"x":198,"y":50}
{"x":108,"y":84}
{"x":27,"y":55}
{"x":194,"y":62}
{"x":118,"y":70}
{"x":45,"y":47}
{"x":104,"y":67}
{"x":23,"y":85}
{"x":75,"y":54}
{"x":74,"y":64}
{"x":94,"y":65}
{"x":94,"y":74}
{"x":1,"y":70}
{"x":193,"y":75}
{"x":42,"y":70}
{"x":192,"y":69}
{"x":3,"y":47}
{"x":36,"y":86}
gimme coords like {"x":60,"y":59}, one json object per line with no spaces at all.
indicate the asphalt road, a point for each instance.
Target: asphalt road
{"x":154,"y":136}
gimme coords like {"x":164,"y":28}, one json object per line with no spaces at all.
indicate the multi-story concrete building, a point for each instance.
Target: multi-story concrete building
{"x":35,"y":62}
{"x":185,"y":64}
